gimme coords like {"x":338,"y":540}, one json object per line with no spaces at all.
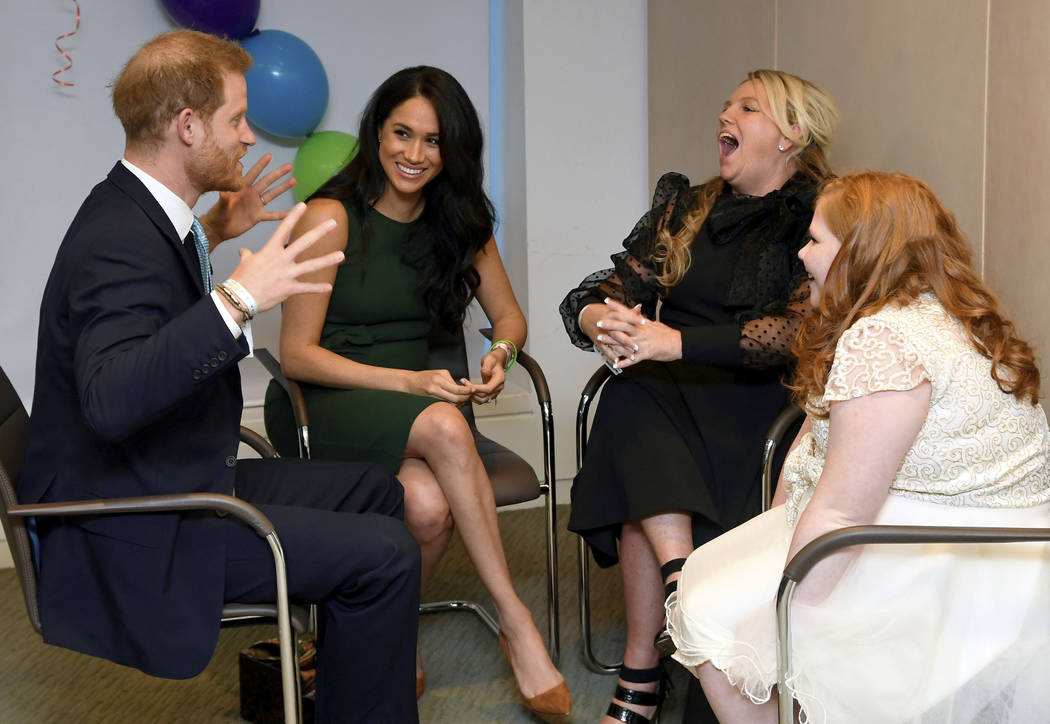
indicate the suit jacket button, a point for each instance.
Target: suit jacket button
{"x":197,"y":374}
{"x":231,"y":461}
{"x":223,"y":355}
{"x":213,"y":361}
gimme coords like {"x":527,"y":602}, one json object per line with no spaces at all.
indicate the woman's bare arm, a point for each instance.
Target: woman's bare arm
{"x":501,"y":307}
{"x":868,"y":439}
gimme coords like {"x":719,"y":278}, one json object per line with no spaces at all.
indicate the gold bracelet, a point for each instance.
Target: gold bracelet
{"x":235,"y":301}
{"x":243,"y":295}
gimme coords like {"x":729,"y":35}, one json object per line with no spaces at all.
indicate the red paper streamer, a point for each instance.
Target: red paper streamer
{"x":54,"y":76}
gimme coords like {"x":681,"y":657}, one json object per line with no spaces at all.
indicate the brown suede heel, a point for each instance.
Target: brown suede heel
{"x":555,"y":700}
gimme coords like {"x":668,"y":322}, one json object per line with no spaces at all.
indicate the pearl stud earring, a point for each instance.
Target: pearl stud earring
{"x":781,"y":147}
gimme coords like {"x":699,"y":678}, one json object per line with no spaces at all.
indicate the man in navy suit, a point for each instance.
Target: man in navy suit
{"x":138,"y":393}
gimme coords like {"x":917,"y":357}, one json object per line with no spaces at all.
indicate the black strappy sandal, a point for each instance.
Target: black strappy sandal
{"x":663,"y":642}
{"x":639,"y":698}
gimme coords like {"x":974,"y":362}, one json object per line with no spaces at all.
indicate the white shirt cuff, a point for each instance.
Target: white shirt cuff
{"x":235,"y":329}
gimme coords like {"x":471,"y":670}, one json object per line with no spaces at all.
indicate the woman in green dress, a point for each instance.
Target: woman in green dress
{"x":416,"y":228}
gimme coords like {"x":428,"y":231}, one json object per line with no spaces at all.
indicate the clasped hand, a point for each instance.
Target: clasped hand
{"x":440,"y":384}
{"x":627,"y":337}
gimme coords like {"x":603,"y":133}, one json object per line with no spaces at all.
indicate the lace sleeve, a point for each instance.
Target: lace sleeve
{"x":766,"y":341}
{"x":872,"y":358}
{"x":632,"y":279}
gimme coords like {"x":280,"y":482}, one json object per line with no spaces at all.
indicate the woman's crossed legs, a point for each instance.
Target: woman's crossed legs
{"x":445,"y":481}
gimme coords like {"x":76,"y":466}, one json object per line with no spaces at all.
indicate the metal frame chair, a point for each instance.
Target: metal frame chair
{"x":774,"y":435}
{"x":829,"y":543}
{"x":514,"y":481}
{"x":14,"y":422}
{"x":583,"y":582}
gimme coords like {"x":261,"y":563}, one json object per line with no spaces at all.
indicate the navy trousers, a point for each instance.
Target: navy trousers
{"x":346,"y":549}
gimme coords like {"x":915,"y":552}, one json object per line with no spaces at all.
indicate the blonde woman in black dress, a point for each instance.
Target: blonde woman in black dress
{"x":673,"y":457}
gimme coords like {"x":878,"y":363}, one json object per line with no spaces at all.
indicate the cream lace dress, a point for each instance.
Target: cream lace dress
{"x":933,"y":633}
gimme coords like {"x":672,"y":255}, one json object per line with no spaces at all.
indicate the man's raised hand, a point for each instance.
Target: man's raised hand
{"x":271,"y":274}
{"x":237,"y":211}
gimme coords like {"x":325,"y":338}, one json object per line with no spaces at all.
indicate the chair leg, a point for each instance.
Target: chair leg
{"x":298,"y":685}
{"x":584,"y":586}
{"x":553,"y":622}
{"x":549,"y":488}
{"x":289,"y":659}
{"x":583,"y":581}
{"x":460,"y":605}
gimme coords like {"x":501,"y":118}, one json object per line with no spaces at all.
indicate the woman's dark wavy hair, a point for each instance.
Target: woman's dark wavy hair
{"x":457,"y":218}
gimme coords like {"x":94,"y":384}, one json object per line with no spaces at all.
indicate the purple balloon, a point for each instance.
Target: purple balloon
{"x":232,"y":18}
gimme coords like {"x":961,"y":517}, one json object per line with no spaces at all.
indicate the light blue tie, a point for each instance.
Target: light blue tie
{"x":201,"y":241}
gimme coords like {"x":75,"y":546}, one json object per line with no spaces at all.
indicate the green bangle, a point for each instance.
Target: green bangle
{"x":510,"y":348}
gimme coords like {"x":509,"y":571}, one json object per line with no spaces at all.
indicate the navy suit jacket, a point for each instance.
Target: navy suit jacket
{"x":137,"y":393}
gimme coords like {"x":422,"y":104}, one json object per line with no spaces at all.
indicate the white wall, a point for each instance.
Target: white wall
{"x":586,"y":170}
{"x":58,"y":143}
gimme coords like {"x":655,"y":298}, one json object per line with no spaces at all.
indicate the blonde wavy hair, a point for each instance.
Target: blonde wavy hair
{"x":898,"y":240}
{"x":803,"y":112}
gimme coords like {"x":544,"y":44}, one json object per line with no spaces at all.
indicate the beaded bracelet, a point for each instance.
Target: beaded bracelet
{"x":510,"y":348}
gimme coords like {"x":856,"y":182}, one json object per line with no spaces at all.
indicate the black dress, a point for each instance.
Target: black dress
{"x":687,"y":435}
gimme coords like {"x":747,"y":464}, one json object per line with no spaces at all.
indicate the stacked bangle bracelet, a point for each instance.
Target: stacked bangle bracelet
{"x":510,"y":348}
{"x":241,"y":299}
{"x":243,"y":294}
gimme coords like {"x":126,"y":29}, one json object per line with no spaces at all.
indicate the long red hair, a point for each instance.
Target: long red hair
{"x":899,"y":240}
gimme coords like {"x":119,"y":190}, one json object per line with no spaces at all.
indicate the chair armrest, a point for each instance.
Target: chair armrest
{"x":822,"y":547}
{"x":774,"y":436}
{"x":819,"y":548}
{"x":221,"y":504}
{"x":590,"y":391}
{"x":258,"y":443}
{"x":295,"y":395}
{"x":543,"y":398}
{"x":539,"y":380}
{"x":780,"y":426}
{"x":295,"y":392}
{"x":245,"y":512}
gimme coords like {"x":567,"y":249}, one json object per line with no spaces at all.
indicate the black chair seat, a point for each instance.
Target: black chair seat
{"x":513,"y":479}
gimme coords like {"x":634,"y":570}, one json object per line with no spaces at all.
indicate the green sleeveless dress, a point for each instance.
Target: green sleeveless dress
{"x":375,"y":316}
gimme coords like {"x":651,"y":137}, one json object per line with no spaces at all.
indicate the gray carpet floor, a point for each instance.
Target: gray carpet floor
{"x":468,"y":679}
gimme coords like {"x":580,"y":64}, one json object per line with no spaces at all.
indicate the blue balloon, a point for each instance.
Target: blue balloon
{"x":287,"y":85}
{"x":232,"y":18}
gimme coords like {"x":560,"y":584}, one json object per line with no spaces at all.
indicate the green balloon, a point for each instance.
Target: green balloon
{"x":321,"y":156}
